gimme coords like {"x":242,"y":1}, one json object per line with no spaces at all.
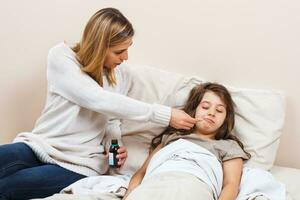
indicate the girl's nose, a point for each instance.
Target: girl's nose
{"x":212,"y":112}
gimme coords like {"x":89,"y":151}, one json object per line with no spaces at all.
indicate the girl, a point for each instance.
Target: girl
{"x":207,"y":159}
{"x":83,"y":82}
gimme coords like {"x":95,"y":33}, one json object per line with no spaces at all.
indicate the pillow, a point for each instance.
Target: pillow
{"x":259,"y":114}
{"x":149,"y":85}
{"x":259,"y":121}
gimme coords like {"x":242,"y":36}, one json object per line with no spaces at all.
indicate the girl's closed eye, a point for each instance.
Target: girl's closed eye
{"x":220,"y":110}
{"x":205,"y":107}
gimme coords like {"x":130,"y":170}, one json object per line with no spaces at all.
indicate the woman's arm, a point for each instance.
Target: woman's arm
{"x":66,"y":79}
{"x":140,"y":173}
{"x":232,"y":170}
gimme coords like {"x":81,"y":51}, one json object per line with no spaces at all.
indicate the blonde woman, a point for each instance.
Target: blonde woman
{"x":83,"y":86}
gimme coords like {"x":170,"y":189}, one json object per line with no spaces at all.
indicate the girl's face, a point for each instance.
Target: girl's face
{"x":117,"y":54}
{"x":211,"y":113}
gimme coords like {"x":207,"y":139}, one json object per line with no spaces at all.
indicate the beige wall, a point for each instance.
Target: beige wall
{"x":252,"y":44}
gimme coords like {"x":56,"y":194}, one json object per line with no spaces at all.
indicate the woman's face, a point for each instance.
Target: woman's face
{"x":211,"y":113}
{"x":117,"y":54}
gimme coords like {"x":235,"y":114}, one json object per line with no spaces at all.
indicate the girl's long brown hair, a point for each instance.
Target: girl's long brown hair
{"x":194,"y":99}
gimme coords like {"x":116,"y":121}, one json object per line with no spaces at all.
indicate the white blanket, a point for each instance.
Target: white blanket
{"x":189,"y":158}
{"x":100,"y":186}
{"x":257,"y":182}
{"x":185,"y":156}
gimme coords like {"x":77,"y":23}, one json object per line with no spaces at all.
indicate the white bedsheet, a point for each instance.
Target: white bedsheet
{"x":255,"y":182}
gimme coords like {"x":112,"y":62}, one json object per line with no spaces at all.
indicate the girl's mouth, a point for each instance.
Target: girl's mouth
{"x":209,"y":120}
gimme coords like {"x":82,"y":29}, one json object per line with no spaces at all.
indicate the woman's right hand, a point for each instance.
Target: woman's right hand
{"x":181,"y":120}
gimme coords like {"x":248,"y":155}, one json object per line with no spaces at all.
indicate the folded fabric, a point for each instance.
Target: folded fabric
{"x":99,"y":186}
{"x":257,"y":182}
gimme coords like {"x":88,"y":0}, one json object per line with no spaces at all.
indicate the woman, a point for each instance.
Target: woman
{"x":83,"y":82}
{"x":207,"y":159}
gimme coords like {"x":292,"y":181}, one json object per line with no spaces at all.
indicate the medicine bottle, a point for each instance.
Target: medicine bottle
{"x":113,"y":152}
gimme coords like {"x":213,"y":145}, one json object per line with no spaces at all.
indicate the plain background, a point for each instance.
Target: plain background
{"x":244,"y":43}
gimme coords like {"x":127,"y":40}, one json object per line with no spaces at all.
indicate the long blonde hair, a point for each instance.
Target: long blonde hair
{"x":106,"y":28}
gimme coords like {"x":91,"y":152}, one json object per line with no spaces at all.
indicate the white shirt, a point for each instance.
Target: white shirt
{"x":71,"y":127}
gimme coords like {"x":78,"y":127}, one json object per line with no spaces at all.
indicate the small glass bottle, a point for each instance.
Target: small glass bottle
{"x":113,"y":152}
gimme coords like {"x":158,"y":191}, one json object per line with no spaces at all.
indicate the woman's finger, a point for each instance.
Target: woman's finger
{"x":122,"y":155}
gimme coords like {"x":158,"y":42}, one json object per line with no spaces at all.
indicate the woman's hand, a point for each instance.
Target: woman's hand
{"x":181,"y":120}
{"x":122,"y":155}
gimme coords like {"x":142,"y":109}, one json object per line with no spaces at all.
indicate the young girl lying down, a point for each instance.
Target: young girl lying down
{"x":203,"y":163}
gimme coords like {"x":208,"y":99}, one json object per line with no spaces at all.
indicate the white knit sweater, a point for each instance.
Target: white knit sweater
{"x":71,"y":127}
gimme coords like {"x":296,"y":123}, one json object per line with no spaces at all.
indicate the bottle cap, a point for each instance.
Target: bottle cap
{"x":114,"y":141}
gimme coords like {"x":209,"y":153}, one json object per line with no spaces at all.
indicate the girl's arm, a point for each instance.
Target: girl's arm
{"x":140,"y":173}
{"x":232,"y":170}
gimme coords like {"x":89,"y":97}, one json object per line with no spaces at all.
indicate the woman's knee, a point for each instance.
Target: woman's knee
{"x":15,"y":157}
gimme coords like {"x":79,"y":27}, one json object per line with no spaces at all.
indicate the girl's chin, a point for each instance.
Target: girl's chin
{"x":206,"y":129}
{"x":205,"y":126}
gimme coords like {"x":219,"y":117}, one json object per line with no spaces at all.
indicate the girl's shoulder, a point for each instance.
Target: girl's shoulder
{"x":227,"y":142}
{"x":230,"y":149}
{"x":226,"y":145}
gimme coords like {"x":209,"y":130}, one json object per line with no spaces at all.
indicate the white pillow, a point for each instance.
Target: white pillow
{"x":259,"y":122}
{"x":259,"y":114}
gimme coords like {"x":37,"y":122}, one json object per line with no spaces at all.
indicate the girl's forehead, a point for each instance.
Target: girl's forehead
{"x":212,"y":97}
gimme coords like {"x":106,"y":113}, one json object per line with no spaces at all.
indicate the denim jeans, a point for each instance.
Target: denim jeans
{"x":23,"y":176}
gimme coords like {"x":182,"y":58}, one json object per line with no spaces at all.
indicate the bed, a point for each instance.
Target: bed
{"x":260,"y":118}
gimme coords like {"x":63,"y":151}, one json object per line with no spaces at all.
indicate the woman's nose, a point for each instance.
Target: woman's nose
{"x":124,"y":55}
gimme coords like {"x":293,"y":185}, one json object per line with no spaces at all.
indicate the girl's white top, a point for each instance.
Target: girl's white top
{"x":72,"y":125}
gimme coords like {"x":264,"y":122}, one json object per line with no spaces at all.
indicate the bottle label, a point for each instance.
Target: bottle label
{"x":111,"y":159}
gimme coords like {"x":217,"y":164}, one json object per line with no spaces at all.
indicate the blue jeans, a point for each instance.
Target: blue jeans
{"x":23,"y":176}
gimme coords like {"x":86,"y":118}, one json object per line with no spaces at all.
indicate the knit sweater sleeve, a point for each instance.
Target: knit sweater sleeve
{"x":66,"y":79}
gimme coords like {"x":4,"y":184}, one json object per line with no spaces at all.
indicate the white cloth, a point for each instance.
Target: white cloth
{"x":172,"y":186}
{"x":71,"y":128}
{"x":185,"y":156}
{"x":99,"y":185}
{"x":257,"y":182}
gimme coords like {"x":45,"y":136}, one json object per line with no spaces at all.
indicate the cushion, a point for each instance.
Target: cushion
{"x":259,"y":114}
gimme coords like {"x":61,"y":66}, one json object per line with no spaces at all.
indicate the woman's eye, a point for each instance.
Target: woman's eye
{"x":119,"y":52}
{"x":205,"y":107}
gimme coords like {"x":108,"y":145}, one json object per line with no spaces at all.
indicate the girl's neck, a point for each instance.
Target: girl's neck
{"x":205,"y":136}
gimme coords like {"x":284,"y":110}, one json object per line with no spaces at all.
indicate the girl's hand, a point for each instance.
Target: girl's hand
{"x":181,"y":120}
{"x":122,"y":155}
{"x":125,"y":196}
